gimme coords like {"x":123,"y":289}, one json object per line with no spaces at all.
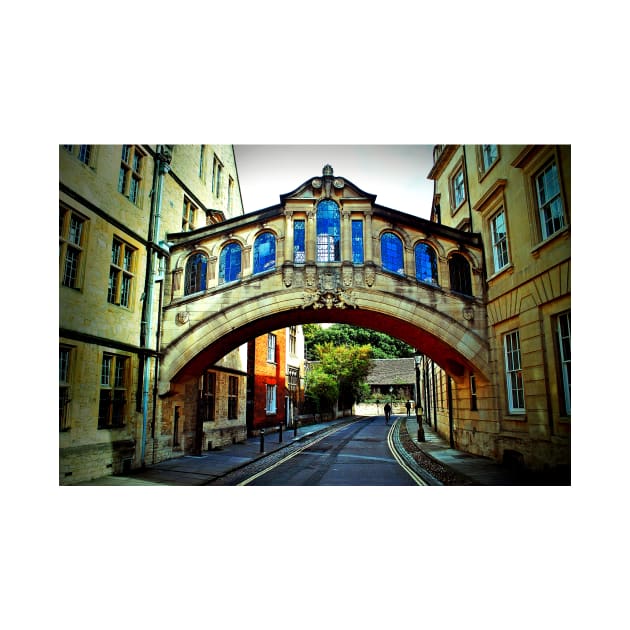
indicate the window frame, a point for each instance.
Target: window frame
{"x":293,"y":341}
{"x":130,"y":175}
{"x":67,"y":244}
{"x":542,"y":204}
{"x":271,"y":399}
{"x":299,"y":244}
{"x":271,"y":348}
{"x":190,"y":214}
{"x":392,"y":237}
{"x":328,"y":232}
{"x":217,"y":175}
{"x":200,"y":276}
{"x":123,"y":272}
{"x":504,"y":242}
{"x":564,"y":363}
{"x":208,"y":395}
{"x":117,"y":384}
{"x":484,"y":168}
{"x":358,"y":250}
{"x":514,"y":379}
{"x":269,"y":260}
{"x":84,"y":153}
{"x":64,"y":386}
{"x":457,"y":274}
{"x":226,"y":262}
{"x":434,"y":280}
{"x":453,"y":187}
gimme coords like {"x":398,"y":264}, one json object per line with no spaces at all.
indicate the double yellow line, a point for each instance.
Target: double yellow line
{"x":399,"y":459}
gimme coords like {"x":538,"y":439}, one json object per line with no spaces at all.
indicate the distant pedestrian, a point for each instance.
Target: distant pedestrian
{"x":388,"y":412}
{"x":408,"y":405}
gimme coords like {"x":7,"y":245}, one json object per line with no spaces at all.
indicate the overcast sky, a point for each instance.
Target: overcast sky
{"x":396,"y":174}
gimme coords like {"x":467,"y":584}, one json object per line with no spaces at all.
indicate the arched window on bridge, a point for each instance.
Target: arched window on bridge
{"x":328,"y":231}
{"x":392,"y":253}
{"x":230,"y":263}
{"x":195,"y":275}
{"x":426,"y":264}
{"x":264,"y":252}
{"x":459,"y":270}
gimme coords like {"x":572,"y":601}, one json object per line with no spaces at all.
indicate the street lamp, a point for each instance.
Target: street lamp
{"x":417,"y":359}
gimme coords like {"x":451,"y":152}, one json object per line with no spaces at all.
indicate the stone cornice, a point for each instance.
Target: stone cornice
{"x":495,"y":189}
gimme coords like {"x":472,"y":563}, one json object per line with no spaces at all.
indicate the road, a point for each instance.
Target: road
{"x":357,"y":455}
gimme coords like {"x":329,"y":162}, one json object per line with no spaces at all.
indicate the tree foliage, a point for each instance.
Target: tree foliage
{"x":346,"y":367}
{"x":383,"y":346}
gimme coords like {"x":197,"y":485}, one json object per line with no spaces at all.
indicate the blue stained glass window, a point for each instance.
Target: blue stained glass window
{"x":328,"y":231}
{"x":426,"y":264}
{"x":264,"y":252}
{"x":392,"y":253}
{"x":357,"y":241}
{"x":195,"y":274}
{"x":230,"y":263}
{"x":299,"y":248}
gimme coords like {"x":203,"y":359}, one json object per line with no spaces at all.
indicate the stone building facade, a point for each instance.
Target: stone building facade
{"x":518,"y":197}
{"x":117,"y":203}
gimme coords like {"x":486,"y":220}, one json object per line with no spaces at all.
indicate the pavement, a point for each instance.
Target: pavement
{"x":191,"y":470}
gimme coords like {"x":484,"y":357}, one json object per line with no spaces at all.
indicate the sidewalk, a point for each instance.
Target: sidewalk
{"x":191,"y":470}
{"x":481,"y":470}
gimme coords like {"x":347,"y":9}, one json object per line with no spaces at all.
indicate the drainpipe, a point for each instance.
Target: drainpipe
{"x":467,"y":189}
{"x":449,"y":391}
{"x":160,"y":169}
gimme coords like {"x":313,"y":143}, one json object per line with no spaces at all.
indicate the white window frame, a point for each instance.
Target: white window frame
{"x":489,"y":156}
{"x":461,"y":188}
{"x":500,"y":251}
{"x":514,"y":372}
{"x":548,"y":200}
{"x":565,"y":361}
{"x":271,"y":348}
{"x":271,"y":399}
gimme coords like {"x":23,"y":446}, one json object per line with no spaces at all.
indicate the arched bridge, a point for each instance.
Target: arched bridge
{"x":326,"y":253}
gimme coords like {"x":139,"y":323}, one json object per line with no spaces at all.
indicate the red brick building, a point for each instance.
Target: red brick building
{"x":274,"y":365}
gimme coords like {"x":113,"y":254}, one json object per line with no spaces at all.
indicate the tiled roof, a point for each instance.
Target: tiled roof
{"x":392,"y":372}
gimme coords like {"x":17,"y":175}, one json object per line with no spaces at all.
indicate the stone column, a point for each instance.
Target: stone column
{"x":367,"y":240}
{"x":288,"y":236}
{"x":346,"y":236}
{"x":311,"y":234}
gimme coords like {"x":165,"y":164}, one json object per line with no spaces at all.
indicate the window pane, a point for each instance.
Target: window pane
{"x":116,"y":246}
{"x":264,"y":252}
{"x":299,"y":249}
{"x":119,"y":374}
{"x":74,"y":234}
{"x":328,"y":231}
{"x":85,"y":150}
{"x":70,"y":268}
{"x":196,"y":273}
{"x":112,"y":289}
{"x":426,"y":264}
{"x":392,"y":253}
{"x":106,"y":369}
{"x":230,"y":263}
{"x":64,"y":360}
{"x":124,"y":290}
{"x":127,"y":259}
{"x":459,"y":271}
{"x":357,"y":241}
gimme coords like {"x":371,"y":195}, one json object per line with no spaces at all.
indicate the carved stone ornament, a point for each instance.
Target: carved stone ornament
{"x":468,"y":313}
{"x":370,"y":276}
{"x":316,"y":183}
{"x":329,"y":293}
{"x":338,"y":182}
{"x":182,"y":317}
{"x":287,"y":276}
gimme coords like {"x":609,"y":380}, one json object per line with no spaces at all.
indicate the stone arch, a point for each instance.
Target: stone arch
{"x":444,"y":337}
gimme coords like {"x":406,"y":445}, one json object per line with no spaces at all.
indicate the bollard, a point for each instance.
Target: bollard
{"x":262,"y":440}
{"x":295,"y":423}
{"x":280,"y":439}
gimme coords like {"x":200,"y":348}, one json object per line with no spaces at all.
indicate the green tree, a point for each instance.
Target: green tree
{"x":383,"y":346}
{"x":348,"y":366}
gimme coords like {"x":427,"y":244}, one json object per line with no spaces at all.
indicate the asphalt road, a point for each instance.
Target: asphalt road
{"x":357,"y":455}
